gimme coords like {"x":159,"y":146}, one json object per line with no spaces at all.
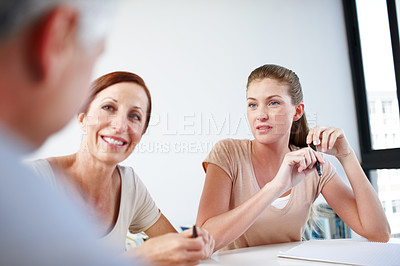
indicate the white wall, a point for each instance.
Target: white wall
{"x":195,"y":57}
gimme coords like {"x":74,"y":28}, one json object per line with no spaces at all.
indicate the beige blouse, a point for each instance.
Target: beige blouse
{"x":273,"y":225}
{"x":137,"y":210}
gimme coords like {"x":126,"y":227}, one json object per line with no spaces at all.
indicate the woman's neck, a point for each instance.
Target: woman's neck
{"x":93,"y":177}
{"x":272,"y":153}
{"x":266,"y":160}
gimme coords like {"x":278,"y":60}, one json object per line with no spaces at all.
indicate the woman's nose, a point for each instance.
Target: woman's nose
{"x":262,"y":116}
{"x":120,"y":123}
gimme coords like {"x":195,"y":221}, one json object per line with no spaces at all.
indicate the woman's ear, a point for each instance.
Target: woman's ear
{"x":299,"y":111}
{"x":82,"y":120}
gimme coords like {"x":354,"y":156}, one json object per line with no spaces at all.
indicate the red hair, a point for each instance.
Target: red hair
{"x":107,"y":80}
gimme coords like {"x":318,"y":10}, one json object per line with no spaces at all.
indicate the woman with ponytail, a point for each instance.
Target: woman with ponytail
{"x":261,"y":191}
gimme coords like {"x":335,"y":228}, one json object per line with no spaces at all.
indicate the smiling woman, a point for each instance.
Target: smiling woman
{"x":115,"y":120}
{"x":118,"y":77}
{"x":112,"y":122}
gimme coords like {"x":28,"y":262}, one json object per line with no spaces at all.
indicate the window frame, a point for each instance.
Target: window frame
{"x":370,"y":159}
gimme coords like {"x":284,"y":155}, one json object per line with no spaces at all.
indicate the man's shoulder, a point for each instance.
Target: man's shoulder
{"x":37,"y":218}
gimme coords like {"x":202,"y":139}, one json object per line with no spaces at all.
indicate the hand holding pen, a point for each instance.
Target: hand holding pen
{"x":186,"y":248}
{"x":194,"y":233}
{"x":317,"y":165}
{"x":209,"y":240}
{"x":329,"y":140}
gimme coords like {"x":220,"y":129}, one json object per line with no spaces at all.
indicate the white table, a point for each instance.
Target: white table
{"x":264,"y":255}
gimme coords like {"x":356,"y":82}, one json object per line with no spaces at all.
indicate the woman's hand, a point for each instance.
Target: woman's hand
{"x":358,"y":206}
{"x":176,"y":249}
{"x":295,"y":166}
{"x":329,"y":140}
{"x":208,"y":240}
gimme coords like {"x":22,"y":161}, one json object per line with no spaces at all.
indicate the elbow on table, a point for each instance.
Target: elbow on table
{"x":219,"y":237}
{"x":380,"y":235}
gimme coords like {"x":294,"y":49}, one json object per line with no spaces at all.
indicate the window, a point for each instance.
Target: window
{"x":387,"y":108}
{"x":371,"y":108}
{"x":387,"y":183}
{"x":374,"y":52}
{"x":396,"y":206}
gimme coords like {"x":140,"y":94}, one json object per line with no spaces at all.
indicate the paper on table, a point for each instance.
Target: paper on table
{"x":346,"y":252}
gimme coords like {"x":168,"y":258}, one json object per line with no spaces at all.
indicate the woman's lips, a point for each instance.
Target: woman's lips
{"x":116,"y":141}
{"x":263,"y":128}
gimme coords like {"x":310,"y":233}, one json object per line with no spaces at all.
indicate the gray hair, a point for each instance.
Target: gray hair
{"x":94,"y":18}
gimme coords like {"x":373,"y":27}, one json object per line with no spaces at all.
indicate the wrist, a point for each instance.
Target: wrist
{"x":345,"y":157}
{"x":275,"y":188}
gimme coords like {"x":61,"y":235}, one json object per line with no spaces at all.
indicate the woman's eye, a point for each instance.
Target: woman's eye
{"x":108,"y":107}
{"x":135,"y":117}
{"x":252,"y":105}
{"x":273,"y":103}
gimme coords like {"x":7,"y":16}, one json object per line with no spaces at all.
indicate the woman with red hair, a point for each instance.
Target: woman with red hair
{"x":113,"y":121}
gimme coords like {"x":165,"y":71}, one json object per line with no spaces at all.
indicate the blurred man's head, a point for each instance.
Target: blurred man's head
{"x":47,"y":52}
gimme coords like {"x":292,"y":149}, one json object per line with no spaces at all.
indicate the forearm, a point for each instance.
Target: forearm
{"x":162,"y":226}
{"x":228,"y":226}
{"x":373,"y":223}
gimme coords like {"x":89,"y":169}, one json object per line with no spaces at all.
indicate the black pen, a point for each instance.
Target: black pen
{"x":317,"y":165}
{"x":194,"y":235}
